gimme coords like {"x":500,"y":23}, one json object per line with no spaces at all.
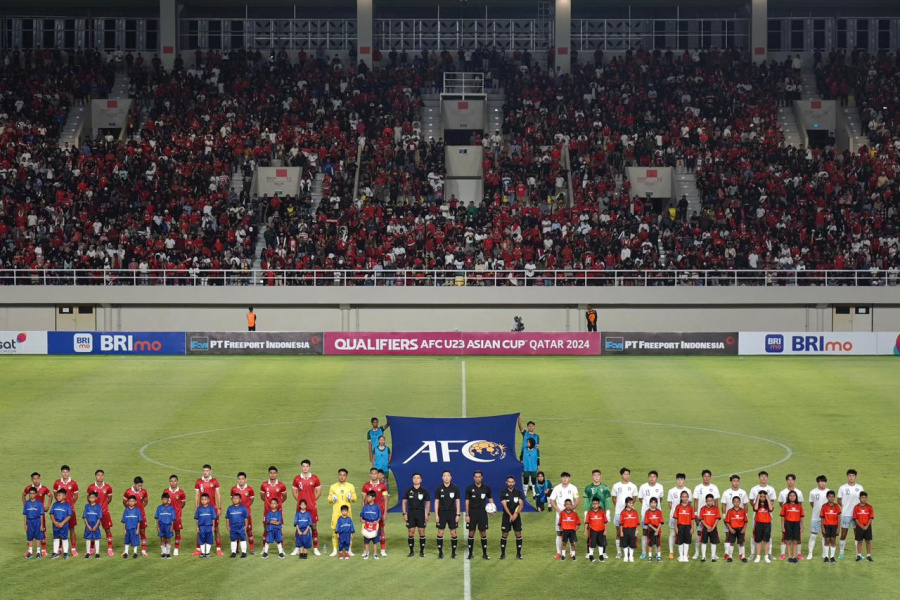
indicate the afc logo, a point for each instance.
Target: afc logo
{"x":481,"y":451}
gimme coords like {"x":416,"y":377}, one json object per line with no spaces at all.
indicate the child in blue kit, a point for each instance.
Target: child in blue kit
{"x":206,"y":518}
{"x":60,"y":515}
{"x":237,"y":517}
{"x":92,"y":516}
{"x":370,"y":515}
{"x":165,"y":523}
{"x":303,"y":521}
{"x":34,"y":527}
{"x":542,"y":489}
{"x":274,"y":534}
{"x":344,"y":530}
{"x":132,"y":518}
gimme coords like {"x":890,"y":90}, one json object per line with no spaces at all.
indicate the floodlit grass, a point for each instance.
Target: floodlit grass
{"x":802,"y":415}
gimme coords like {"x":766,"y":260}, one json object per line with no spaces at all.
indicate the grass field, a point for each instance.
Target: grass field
{"x":802,"y":415}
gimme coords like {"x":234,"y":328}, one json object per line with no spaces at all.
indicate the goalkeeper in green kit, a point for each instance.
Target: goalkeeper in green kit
{"x":598,"y":491}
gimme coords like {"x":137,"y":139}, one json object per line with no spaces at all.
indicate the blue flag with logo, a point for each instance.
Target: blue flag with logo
{"x":461,"y":446}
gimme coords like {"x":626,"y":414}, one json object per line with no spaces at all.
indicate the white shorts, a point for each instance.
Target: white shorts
{"x":846,"y":522}
{"x":616,"y":518}
{"x":815,"y":526}
{"x":673,"y":524}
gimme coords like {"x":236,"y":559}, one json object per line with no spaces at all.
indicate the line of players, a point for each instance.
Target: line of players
{"x":830,"y":512}
{"x":848,"y":507}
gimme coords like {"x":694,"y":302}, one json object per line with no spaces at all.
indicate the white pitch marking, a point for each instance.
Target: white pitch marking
{"x":467,"y":573}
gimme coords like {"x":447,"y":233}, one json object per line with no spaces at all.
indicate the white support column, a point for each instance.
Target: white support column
{"x":759,"y":30}
{"x":562,"y":26}
{"x":364,"y":30}
{"x":168,"y":32}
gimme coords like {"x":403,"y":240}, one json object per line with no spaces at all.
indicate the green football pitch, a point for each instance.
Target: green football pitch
{"x":157,"y":416}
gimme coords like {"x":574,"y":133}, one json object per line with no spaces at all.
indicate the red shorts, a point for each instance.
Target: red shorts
{"x":106,"y":521}
{"x":177,"y":525}
{"x":72,"y":521}
{"x":143,"y":524}
{"x":249,"y":523}
{"x":315,"y":513}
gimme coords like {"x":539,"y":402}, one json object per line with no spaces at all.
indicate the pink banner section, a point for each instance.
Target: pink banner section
{"x":451,"y":342}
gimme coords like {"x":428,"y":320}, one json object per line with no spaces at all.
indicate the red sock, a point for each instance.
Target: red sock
{"x":143,"y":540}
{"x":251,"y":543}
{"x":382,"y":543}
{"x":315,"y":539}
{"x":177,"y":540}
{"x":44,"y":544}
{"x":109,"y":540}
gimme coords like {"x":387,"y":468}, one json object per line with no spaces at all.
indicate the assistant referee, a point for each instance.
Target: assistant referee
{"x":446,"y":505}
{"x":477,"y":497}
{"x":416,"y":509}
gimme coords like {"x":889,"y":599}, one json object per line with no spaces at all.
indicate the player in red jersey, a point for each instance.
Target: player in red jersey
{"x":207,"y":484}
{"x":178,"y":498}
{"x":308,"y":486}
{"x":104,"y":493}
{"x":247,"y":497}
{"x":377,"y":485}
{"x":142,"y":498}
{"x":65,"y":482}
{"x":273,"y":490}
{"x":42,"y":493}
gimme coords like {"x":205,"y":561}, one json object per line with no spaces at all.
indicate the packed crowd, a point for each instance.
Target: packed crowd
{"x":161,"y":199}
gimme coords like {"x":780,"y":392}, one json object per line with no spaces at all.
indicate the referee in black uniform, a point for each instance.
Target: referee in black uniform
{"x":512,"y":502}
{"x":477,"y":496}
{"x":416,"y":507}
{"x":446,"y":505}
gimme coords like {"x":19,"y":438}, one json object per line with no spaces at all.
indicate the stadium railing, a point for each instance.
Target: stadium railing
{"x":447,"y":278}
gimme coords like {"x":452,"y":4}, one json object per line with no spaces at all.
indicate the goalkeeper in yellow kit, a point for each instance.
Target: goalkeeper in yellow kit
{"x":340,"y":494}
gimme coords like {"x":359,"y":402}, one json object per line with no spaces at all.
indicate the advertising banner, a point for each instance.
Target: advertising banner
{"x":805,"y":343}
{"x":461,"y":446}
{"x":252,"y":342}
{"x":888,"y":343}
{"x":698,"y":344}
{"x":453,"y":342}
{"x":122,"y":342}
{"x":23,"y":342}
{"x":284,"y":181}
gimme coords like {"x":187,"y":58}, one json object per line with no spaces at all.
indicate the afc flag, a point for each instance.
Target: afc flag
{"x":459,"y":445}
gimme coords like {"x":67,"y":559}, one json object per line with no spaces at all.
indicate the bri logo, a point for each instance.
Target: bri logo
{"x":83,"y":342}
{"x":774,"y":343}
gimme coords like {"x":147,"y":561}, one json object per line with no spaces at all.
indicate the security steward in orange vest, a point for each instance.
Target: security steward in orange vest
{"x":251,"y":320}
{"x":591,"y":315}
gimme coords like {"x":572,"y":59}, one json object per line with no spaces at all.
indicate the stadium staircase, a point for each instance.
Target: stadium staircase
{"x":431,"y":116}
{"x":686,"y":185}
{"x":76,"y":125}
{"x":790,"y":128}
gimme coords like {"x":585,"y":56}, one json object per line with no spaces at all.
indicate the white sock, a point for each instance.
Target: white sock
{"x":558,"y":545}
{"x":697,"y":545}
{"x":233,"y":547}
{"x":713,"y":550}
{"x":207,"y":548}
{"x":244,"y":547}
{"x":127,"y":549}
{"x":703,"y":551}
{"x":266,"y":548}
{"x":88,"y":546}
{"x":590,"y":551}
{"x":65,"y":544}
{"x":280,"y":549}
{"x":843,"y":545}
{"x":833,"y":551}
{"x":812,"y":543}
{"x":618,"y":546}
{"x":727,"y":548}
{"x":643,"y":544}
{"x":783,"y":546}
{"x":56,"y":546}
{"x":671,"y":541}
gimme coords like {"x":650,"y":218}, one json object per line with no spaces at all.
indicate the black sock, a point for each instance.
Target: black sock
{"x":421,"y":544}
{"x":484,"y":545}
{"x":502,"y":545}
{"x":471,"y":544}
{"x":518,"y":545}
{"x":440,"y":544}
{"x":453,"y":543}
{"x":410,"y":541}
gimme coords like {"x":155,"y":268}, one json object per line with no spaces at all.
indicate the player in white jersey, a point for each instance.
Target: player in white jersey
{"x":818,"y":497}
{"x":648,"y":490}
{"x":700,"y":493}
{"x":621,"y":492}
{"x":561,"y":492}
{"x":848,"y":498}
{"x":674,"y":498}
{"x":791,"y":480}
{"x":763,"y":486}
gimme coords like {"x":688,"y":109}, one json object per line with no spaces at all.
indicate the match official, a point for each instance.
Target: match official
{"x":446,"y":505}
{"x":416,"y":508}
{"x":478,"y":495}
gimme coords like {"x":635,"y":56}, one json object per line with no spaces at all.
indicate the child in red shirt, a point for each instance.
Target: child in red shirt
{"x":863,"y":515}
{"x":762,"y":529}
{"x":709,"y":516}
{"x":654,"y":519}
{"x":629,"y":519}
{"x":568,"y":525}
{"x":595,"y":529}
{"x":735,"y":522}
{"x":792,"y":524}
{"x":684,"y":522}
{"x":831,"y":521}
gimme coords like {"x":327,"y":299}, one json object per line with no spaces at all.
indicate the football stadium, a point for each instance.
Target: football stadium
{"x":459,"y":300}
